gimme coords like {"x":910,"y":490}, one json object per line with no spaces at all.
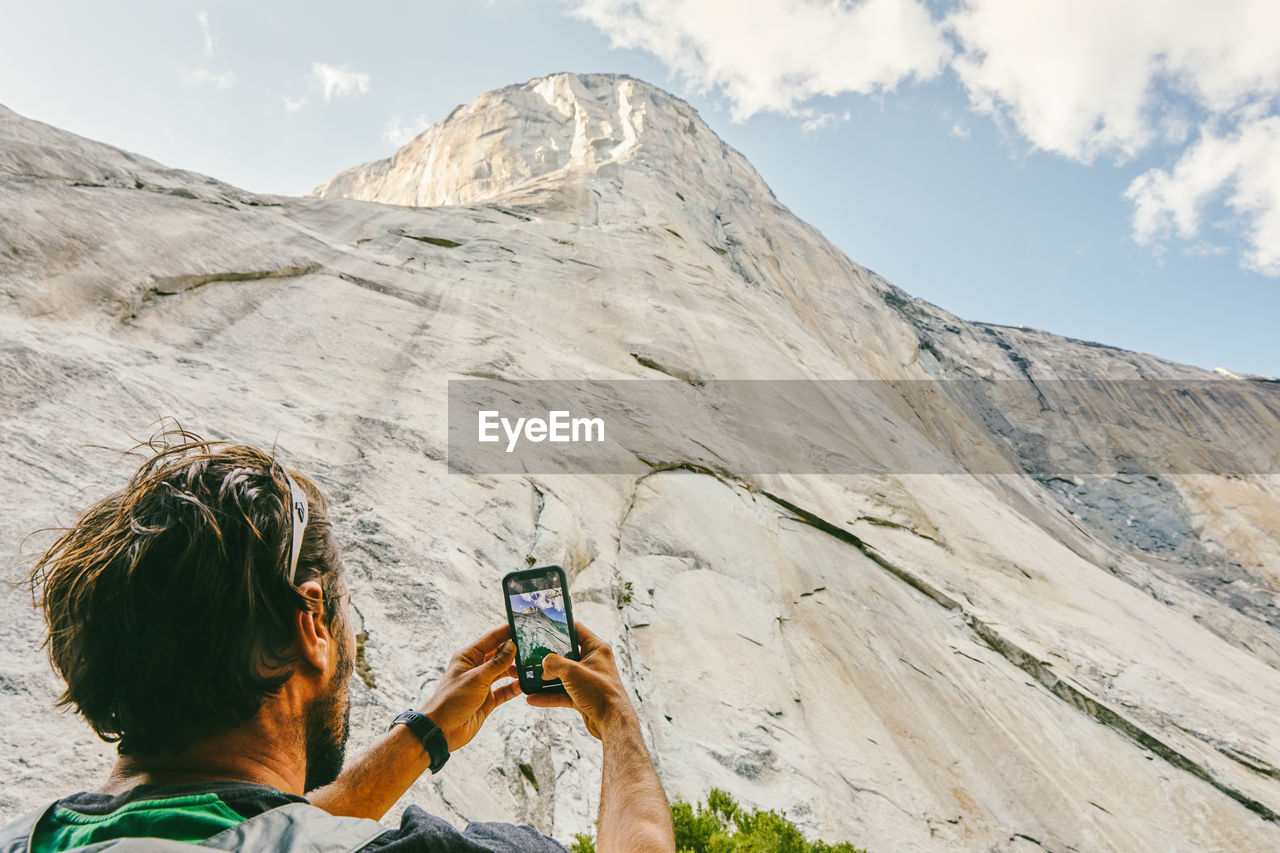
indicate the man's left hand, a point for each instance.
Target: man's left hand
{"x":465,"y":696}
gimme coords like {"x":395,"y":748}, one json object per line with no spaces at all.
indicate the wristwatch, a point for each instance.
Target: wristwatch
{"x":433,"y":740}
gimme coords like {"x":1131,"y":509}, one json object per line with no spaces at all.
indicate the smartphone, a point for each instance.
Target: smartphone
{"x":541,"y":620}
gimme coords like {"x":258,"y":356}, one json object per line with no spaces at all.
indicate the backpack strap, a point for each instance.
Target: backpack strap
{"x":293,"y":827}
{"x":134,"y":845}
{"x":16,"y":837}
{"x":299,"y":827}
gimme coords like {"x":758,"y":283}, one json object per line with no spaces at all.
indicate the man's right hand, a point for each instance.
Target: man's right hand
{"x":634,"y":814}
{"x":592,"y":685}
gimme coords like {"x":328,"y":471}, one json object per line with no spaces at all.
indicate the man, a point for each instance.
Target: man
{"x":201,"y":621}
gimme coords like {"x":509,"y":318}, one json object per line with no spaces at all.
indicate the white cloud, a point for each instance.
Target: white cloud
{"x":1240,"y":168}
{"x":398,"y":133}
{"x":203,"y":18}
{"x":1082,"y":79}
{"x":777,"y":54}
{"x":543,"y":599}
{"x":204,"y":75}
{"x":1087,"y":77}
{"x":339,"y":80}
{"x":221,"y":80}
{"x":333,"y":81}
{"x":816,"y":120}
{"x":1201,"y":249}
{"x":1090,"y":78}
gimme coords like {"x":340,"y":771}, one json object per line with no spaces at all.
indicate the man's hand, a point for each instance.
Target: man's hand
{"x":371,"y":784}
{"x":592,"y":684}
{"x":465,"y":695}
{"x":634,"y":815}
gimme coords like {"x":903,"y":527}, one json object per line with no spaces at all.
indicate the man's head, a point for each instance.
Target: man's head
{"x":170,"y":613}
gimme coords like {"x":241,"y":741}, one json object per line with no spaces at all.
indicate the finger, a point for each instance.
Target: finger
{"x":481,"y":648}
{"x":501,"y":662}
{"x":506,"y":693}
{"x":557,"y":666}
{"x":549,"y":700}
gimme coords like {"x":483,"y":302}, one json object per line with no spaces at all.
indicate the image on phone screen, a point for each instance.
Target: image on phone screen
{"x":541,"y":620}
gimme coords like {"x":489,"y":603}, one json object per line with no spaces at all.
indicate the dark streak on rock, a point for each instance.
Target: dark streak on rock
{"x":422,"y":300}
{"x":434,"y":241}
{"x":173,"y":285}
{"x":1039,"y":670}
{"x":673,"y":372}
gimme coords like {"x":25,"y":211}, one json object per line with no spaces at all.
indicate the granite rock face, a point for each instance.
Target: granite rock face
{"x":992,"y":661}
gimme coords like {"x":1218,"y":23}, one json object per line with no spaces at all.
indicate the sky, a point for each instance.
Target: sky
{"x":544,"y":600}
{"x":1103,"y":169}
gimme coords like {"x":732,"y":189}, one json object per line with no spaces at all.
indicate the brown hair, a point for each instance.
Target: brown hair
{"x":168,"y":611}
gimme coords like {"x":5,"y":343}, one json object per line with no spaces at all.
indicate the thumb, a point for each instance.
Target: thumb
{"x":556,"y":665}
{"x":501,"y":659}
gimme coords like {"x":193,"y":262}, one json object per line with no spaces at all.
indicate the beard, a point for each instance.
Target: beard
{"x":328,"y":725}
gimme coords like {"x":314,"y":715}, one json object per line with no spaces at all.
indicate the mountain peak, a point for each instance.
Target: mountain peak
{"x":562,"y":125}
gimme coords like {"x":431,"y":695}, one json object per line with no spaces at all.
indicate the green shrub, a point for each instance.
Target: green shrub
{"x":722,"y":826}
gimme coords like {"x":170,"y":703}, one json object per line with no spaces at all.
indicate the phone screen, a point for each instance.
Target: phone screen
{"x":541,"y":622}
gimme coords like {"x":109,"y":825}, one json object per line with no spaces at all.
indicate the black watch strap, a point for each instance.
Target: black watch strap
{"x":433,"y":740}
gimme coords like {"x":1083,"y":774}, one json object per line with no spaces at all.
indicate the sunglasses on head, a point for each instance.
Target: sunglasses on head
{"x":298,"y":519}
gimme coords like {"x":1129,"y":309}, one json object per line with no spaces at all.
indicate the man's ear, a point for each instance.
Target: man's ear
{"x":313,"y":636}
